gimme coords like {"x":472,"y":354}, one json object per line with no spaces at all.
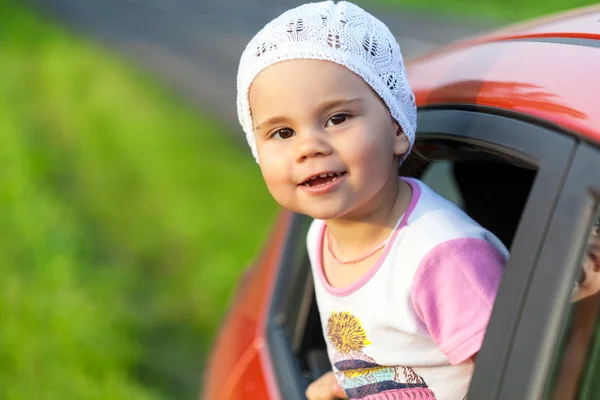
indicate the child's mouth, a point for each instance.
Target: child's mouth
{"x":322,"y":179}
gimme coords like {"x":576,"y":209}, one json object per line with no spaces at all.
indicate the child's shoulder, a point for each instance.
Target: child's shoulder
{"x":315,"y":231}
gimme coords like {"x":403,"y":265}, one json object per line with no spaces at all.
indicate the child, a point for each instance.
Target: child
{"x":405,"y":281}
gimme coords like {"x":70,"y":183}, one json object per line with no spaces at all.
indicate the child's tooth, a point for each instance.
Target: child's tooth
{"x":330,"y":174}
{"x":323,"y":175}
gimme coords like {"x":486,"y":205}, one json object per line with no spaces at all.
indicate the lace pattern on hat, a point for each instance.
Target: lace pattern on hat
{"x":342,"y":33}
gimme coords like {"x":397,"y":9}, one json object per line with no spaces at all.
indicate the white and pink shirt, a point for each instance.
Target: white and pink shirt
{"x":409,"y":327}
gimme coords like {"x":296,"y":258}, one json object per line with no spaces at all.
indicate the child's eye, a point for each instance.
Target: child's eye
{"x":337,"y":119}
{"x":284,"y":133}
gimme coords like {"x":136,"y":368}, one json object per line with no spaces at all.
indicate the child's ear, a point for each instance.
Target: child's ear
{"x":401,"y":143}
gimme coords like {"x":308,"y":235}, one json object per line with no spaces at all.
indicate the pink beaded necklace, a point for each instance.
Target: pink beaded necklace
{"x":360,"y":258}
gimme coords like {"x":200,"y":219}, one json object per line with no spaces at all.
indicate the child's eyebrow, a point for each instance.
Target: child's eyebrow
{"x":327,"y":105}
{"x":270,"y":121}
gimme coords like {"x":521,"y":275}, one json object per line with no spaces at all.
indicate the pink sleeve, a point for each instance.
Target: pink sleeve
{"x":453,"y":294}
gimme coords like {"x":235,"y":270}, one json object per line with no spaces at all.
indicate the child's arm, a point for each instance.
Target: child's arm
{"x":325,"y":388}
{"x":453,"y":293}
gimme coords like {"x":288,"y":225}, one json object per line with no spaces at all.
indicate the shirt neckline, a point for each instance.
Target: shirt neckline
{"x":402,"y":222}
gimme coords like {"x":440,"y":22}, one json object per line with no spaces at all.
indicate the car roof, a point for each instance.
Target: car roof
{"x":546,"y":69}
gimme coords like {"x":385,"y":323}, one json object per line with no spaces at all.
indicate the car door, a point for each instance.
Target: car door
{"x":522,"y":141}
{"x":447,"y":137}
{"x":556,"y":349}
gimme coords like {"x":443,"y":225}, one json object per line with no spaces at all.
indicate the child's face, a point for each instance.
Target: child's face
{"x":316,"y":117}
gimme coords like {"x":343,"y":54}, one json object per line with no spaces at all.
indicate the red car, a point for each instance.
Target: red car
{"x":508,"y":129}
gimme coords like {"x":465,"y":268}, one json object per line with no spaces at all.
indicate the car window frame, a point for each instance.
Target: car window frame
{"x":291,"y":281}
{"x":512,"y":135}
{"x":551,"y":151}
{"x":546,"y":306}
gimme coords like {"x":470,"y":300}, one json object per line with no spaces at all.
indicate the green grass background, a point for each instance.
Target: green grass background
{"x":126,"y":219}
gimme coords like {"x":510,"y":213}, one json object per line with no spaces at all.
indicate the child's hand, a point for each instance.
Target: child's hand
{"x":589,"y":283}
{"x":325,"y":388}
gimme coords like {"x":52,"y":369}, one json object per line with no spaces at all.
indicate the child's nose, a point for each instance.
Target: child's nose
{"x":312,"y":144}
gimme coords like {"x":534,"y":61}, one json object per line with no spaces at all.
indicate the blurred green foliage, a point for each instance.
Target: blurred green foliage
{"x":126,"y":219}
{"x":499,"y":10}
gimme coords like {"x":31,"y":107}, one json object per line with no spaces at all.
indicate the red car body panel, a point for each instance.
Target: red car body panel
{"x":239,"y":366}
{"x":490,"y":71}
{"x":516,"y":77}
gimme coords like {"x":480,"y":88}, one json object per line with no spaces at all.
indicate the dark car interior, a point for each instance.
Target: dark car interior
{"x":492,"y":189}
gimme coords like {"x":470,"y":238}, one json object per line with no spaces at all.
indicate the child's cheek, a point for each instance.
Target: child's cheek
{"x":277,"y":177}
{"x":369,"y":151}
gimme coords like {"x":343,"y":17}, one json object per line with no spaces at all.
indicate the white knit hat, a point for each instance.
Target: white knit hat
{"x":342,"y":33}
